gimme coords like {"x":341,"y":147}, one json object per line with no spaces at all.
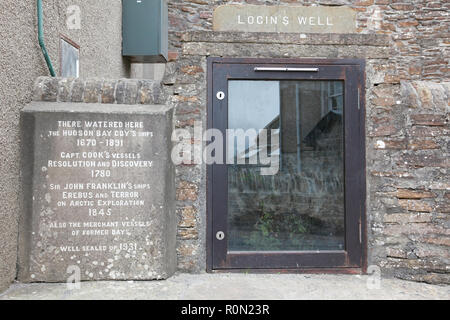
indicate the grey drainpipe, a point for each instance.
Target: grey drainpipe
{"x":41,"y":38}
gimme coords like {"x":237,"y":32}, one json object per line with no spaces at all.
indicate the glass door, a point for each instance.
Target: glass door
{"x":289,"y":194}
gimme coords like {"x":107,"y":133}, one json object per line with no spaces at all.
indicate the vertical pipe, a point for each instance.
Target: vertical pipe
{"x":41,"y":38}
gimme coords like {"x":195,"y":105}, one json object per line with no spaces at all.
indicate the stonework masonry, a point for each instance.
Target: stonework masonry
{"x":407,"y":50}
{"x":407,"y":142}
{"x":98,"y":90}
{"x":407,"y":147}
{"x":417,"y":29}
{"x":406,"y":47}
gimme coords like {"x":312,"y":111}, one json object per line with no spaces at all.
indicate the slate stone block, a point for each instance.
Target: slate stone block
{"x":98,"y":193}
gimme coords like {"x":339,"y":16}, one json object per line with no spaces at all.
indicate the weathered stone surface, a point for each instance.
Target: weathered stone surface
{"x":428,"y":119}
{"x":150,"y":92}
{"x":423,"y":144}
{"x":99,"y":193}
{"x":77,"y":91}
{"x":187,"y":191}
{"x":426,"y":95}
{"x":108,"y":91}
{"x":8,"y":237}
{"x":287,"y":38}
{"x":419,"y":39}
{"x":424,"y":160}
{"x":414,"y":194}
{"x":384,"y":131}
{"x":240,"y":286}
{"x":294,"y":19}
{"x":429,"y":131}
{"x":415,"y":205}
{"x":406,"y":152}
{"x":188,"y":217}
{"x":390,"y":174}
{"x":256,"y":50}
{"x":46,"y":89}
{"x":407,"y":218}
{"x":92,"y":91}
{"x":187,"y":234}
{"x":126,"y":91}
{"x":188,"y":251}
{"x":65,"y":85}
{"x":390,"y":144}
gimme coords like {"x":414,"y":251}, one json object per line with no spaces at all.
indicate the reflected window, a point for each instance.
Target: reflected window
{"x":70,"y":58}
{"x":302,"y":206}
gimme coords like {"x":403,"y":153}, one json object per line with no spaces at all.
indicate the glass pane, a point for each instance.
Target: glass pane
{"x":70,"y":58}
{"x":299,"y":206}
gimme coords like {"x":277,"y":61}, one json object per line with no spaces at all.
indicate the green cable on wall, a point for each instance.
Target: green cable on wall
{"x":41,"y":38}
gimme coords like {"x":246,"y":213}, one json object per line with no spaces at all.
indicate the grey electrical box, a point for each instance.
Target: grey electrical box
{"x":145,"y":30}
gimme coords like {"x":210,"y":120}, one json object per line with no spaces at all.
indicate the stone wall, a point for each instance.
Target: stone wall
{"x":418,"y":29}
{"x":407,"y":147}
{"x":409,"y":187}
{"x":21,"y":62}
{"x":96,"y":90}
{"x":415,"y":47}
{"x":407,"y":143}
{"x":186,"y":79}
{"x":407,"y":120}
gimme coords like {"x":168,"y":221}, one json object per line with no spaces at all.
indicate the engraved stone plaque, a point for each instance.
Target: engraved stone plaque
{"x":98,"y":188}
{"x":294,"y":19}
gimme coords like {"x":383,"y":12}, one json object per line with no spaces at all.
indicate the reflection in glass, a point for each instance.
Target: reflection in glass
{"x":70,"y":60}
{"x":302,"y":206}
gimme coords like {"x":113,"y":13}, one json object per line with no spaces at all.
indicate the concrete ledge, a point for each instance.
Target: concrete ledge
{"x":380,"y":40}
{"x":275,"y":50}
{"x":235,"y":286}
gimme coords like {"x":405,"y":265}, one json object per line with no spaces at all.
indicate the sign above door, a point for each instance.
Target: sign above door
{"x":293,"y":19}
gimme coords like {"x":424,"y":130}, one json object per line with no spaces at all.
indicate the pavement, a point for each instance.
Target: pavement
{"x":235,"y":287}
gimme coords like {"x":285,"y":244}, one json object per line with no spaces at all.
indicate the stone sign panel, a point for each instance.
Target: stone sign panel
{"x":295,"y":19}
{"x":98,"y":192}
